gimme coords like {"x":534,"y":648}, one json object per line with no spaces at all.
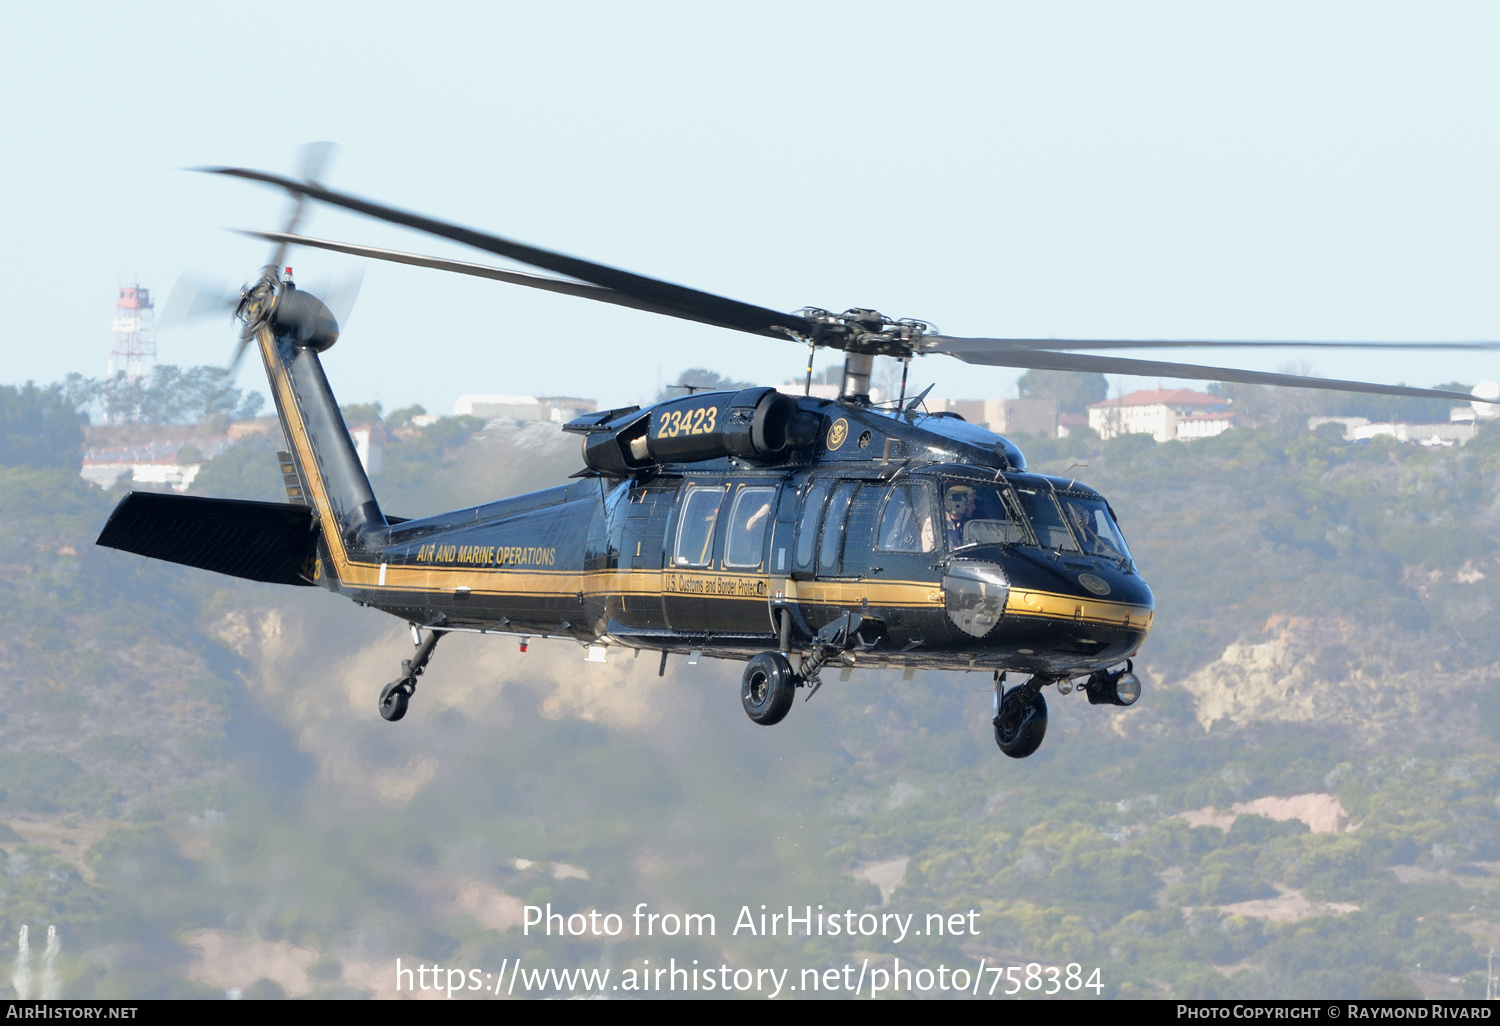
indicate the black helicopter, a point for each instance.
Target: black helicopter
{"x":797,"y":533}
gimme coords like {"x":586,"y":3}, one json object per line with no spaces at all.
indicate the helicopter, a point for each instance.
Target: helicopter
{"x":798,"y":534}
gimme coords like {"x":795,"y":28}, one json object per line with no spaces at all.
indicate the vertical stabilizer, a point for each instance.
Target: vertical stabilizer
{"x":332,"y":479}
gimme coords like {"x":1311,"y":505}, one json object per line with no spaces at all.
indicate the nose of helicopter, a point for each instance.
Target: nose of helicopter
{"x":1054,"y":622}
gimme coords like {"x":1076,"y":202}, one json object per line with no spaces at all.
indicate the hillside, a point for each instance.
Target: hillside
{"x":201,"y":797}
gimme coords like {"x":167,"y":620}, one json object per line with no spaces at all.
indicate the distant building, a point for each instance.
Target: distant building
{"x":1461,"y":427}
{"x":159,"y":454}
{"x":1008,"y":416}
{"x":1070,"y":423}
{"x":369,"y":444}
{"x":1165,"y":414}
{"x":558,"y":409}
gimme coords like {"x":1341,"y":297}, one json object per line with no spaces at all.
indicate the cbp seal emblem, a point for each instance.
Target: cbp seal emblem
{"x":838,"y":433}
{"x":1094,"y":583}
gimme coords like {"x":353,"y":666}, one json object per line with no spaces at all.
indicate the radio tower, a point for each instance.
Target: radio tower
{"x":135,"y":342}
{"x":135,"y":337}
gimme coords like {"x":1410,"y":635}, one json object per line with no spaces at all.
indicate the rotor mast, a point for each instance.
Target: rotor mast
{"x":857,"y":368}
{"x":863,"y":335}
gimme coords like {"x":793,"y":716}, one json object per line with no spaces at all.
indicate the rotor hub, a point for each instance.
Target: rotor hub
{"x":866,"y":332}
{"x":256,"y":304}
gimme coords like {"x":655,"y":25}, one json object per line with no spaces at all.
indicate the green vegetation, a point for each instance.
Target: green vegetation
{"x":1271,"y":405}
{"x":39,"y":427}
{"x":50,"y":782}
{"x":168,"y":395}
{"x":1073,"y":393}
{"x":186,"y":756}
{"x":702,"y":379}
{"x":245,"y":470}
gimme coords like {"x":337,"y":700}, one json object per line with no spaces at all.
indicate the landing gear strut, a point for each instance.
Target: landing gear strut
{"x":1020,"y":717}
{"x":395,"y":695}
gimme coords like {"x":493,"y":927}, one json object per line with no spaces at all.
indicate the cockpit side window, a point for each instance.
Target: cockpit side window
{"x":907,"y":522}
{"x":976,"y":513}
{"x":1096,"y":530}
{"x":1046,"y":520}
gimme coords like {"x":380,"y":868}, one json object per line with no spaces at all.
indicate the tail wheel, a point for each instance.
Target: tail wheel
{"x":768,"y":688}
{"x":394,"y":698}
{"x":1021,"y":722}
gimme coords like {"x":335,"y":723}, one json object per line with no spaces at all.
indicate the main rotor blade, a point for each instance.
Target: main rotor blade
{"x":1189,"y":343}
{"x":1035,"y":359}
{"x":664,"y":297}
{"x":535,"y":281}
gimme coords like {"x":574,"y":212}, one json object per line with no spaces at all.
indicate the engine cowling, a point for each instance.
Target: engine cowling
{"x":755,"y":424}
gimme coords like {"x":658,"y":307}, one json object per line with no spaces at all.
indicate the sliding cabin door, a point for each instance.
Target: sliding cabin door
{"x":716,"y":580}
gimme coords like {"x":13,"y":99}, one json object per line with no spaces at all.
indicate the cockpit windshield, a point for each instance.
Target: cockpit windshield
{"x":1046,"y":520}
{"x":1008,"y":513}
{"x":1095,"y":528}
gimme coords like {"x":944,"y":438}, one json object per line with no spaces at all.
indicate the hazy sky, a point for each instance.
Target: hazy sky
{"x":1098,"y":170}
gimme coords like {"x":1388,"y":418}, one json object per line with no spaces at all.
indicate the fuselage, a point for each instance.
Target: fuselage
{"x":923,"y":527}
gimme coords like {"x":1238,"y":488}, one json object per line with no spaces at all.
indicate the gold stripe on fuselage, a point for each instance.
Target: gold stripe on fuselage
{"x":1052,"y":605}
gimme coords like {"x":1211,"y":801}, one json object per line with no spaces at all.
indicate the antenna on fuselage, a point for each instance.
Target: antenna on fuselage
{"x":911,"y":406}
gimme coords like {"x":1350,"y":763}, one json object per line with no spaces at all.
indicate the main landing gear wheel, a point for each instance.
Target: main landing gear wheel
{"x":768,"y":688}
{"x":394,"y":698}
{"x":1021,"y":721}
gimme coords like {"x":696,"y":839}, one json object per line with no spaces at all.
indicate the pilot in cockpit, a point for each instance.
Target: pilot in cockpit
{"x":958,"y":510}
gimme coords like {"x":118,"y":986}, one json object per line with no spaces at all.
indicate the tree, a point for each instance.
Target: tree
{"x":356,"y":414}
{"x":39,"y":427}
{"x":1072,"y":391}
{"x":170,"y":395}
{"x":700,"y":379}
{"x":1289,"y":408}
{"x":246,"y":470}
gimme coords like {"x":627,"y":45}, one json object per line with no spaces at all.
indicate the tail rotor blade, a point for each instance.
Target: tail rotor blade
{"x":339,"y":292}
{"x":239,"y":352}
{"x":313,"y":159}
{"x":195,"y":300}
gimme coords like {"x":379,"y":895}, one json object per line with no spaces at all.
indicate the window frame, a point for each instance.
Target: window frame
{"x":933,"y":512}
{"x":811,"y":509}
{"x":682,"y":521}
{"x":767,"y":519}
{"x":1050,"y":495}
{"x":850,"y":488}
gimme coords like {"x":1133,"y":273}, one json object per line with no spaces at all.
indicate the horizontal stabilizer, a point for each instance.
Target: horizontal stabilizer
{"x":259,"y":541}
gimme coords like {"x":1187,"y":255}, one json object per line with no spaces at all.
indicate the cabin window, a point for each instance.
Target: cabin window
{"x":747,"y":527}
{"x":833,"y":527}
{"x":807,"y":528}
{"x":695,"y":528}
{"x":906,"y":524}
{"x":977,"y":513}
{"x":1096,"y":530}
{"x":1046,"y":519}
